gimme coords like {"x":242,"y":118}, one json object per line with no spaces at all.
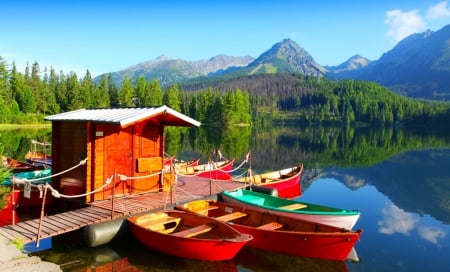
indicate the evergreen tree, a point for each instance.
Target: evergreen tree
{"x":172,"y":97}
{"x":153,"y":94}
{"x":126,"y":93}
{"x":5,"y":91}
{"x":112,"y":92}
{"x":101,"y":95}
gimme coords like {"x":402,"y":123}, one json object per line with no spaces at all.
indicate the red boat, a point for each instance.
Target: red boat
{"x":17,"y":166}
{"x":286,"y":181}
{"x":213,"y":170}
{"x":188,"y":235}
{"x":281,"y":234}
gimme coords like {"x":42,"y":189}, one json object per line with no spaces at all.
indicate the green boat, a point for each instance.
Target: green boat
{"x":317,"y":213}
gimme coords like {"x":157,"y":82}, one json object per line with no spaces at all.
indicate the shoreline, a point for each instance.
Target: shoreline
{"x":14,"y":260}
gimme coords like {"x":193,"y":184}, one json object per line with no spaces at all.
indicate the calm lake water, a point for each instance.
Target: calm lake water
{"x":400,"y":185}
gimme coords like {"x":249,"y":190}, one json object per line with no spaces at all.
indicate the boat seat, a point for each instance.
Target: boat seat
{"x":271,"y":226}
{"x":294,"y":206}
{"x":231,"y":216}
{"x":160,"y":222}
{"x":204,"y":211}
{"x":191,"y":232}
{"x":253,"y":199}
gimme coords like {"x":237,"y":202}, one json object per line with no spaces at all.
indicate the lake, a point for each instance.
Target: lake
{"x":398,"y":179}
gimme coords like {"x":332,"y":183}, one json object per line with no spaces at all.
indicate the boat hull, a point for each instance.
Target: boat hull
{"x":215,"y":170}
{"x":285,"y":181}
{"x":220,"y":246}
{"x":332,"y":246}
{"x":321,"y":214}
{"x":282,"y":234}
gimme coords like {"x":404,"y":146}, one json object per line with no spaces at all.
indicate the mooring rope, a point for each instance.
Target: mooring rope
{"x":18,"y":180}
{"x":57,"y":194}
{"x":124,"y":177}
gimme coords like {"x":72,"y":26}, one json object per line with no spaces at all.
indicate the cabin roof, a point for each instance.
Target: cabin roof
{"x":126,"y":116}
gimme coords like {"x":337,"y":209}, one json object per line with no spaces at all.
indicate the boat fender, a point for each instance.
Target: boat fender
{"x":264,"y":190}
{"x":102,"y":233}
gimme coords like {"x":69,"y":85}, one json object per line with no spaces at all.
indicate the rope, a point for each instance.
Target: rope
{"x":56,"y":194}
{"x":124,"y":177}
{"x":82,"y":162}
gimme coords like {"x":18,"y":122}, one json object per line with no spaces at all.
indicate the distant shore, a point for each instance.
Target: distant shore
{"x":2,"y":126}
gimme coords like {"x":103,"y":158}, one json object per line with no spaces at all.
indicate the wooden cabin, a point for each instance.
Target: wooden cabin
{"x":123,"y":142}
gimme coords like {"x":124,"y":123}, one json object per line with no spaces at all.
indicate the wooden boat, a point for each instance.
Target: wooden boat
{"x":39,"y":154}
{"x":17,"y":166}
{"x":307,"y":211}
{"x":37,"y":158}
{"x":188,"y":235}
{"x":171,"y":160}
{"x":280,"y":233}
{"x":286,"y":181}
{"x":35,"y":199}
{"x":187,"y":163}
{"x":214,"y":170}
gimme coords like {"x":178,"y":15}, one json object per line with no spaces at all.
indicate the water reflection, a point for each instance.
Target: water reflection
{"x":399,"y":180}
{"x":395,"y":220}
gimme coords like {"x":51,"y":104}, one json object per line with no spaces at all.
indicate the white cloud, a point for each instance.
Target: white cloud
{"x":396,"y":220}
{"x":431,"y":234}
{"x":402,"y":24}
{"x":438,"y":11}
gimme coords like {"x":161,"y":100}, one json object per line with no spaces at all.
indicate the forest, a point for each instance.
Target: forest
{"x":30,"y":96}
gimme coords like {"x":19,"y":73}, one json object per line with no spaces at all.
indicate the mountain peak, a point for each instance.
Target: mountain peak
{"x":288,"y":56}
{"x":353,"y":63}
{"x":162,"y":58}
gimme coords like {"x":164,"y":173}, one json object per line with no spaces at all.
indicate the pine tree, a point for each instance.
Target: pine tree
{"x":126,"y":93}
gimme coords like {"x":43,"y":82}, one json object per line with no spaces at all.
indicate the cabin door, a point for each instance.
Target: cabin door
{"x":117,"y":159}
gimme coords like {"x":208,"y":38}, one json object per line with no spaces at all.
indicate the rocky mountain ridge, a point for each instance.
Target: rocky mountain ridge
{"x":418,"y":66}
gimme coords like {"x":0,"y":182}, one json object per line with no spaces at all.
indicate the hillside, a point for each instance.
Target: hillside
{"x":418,"y":67}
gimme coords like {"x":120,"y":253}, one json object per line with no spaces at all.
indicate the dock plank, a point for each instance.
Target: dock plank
{"x":23,"y":232}
{"x":101,"y":210}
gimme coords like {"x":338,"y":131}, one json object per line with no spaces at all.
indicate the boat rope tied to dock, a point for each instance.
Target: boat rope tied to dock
{"x":211,"y":166}
{"x":21,"y":181}
{"x":56,"y":194}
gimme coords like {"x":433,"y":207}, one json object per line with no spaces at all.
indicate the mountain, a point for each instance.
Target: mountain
{"x":354,"y":63}
{"x":286,"y":57}
{"x":167,"y":70}
{"x":418,"y":66}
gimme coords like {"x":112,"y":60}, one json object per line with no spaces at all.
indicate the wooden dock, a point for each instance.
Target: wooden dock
{"x":186,"y":189}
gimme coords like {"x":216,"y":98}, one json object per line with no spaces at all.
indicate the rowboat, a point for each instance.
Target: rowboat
{"x":37,"y":158}
{"x":188,"y":235}
{"x":279,"y":233}
{"x":36,"y":178}
{"x":285,"y":181}
{"x":337,"y":217}
{"x":39,"y":153}
{"x":219,"y":170}
{"x":17,"y":166}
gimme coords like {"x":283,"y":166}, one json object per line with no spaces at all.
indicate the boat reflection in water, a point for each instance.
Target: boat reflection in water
{"x":260,"y":260}
{"x":127,"y":254}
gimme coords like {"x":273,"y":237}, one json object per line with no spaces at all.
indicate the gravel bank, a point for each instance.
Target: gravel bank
{"x":13,"y":260}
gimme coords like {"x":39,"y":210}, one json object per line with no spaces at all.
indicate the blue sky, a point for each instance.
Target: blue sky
{"x":107,"y":36}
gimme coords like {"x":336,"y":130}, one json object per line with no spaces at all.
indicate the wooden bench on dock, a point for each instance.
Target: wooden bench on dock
{"x":194,"y":231}
{"x":231,"y":216}
{"x":294,"y":206}
{"x":270,"y":226}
